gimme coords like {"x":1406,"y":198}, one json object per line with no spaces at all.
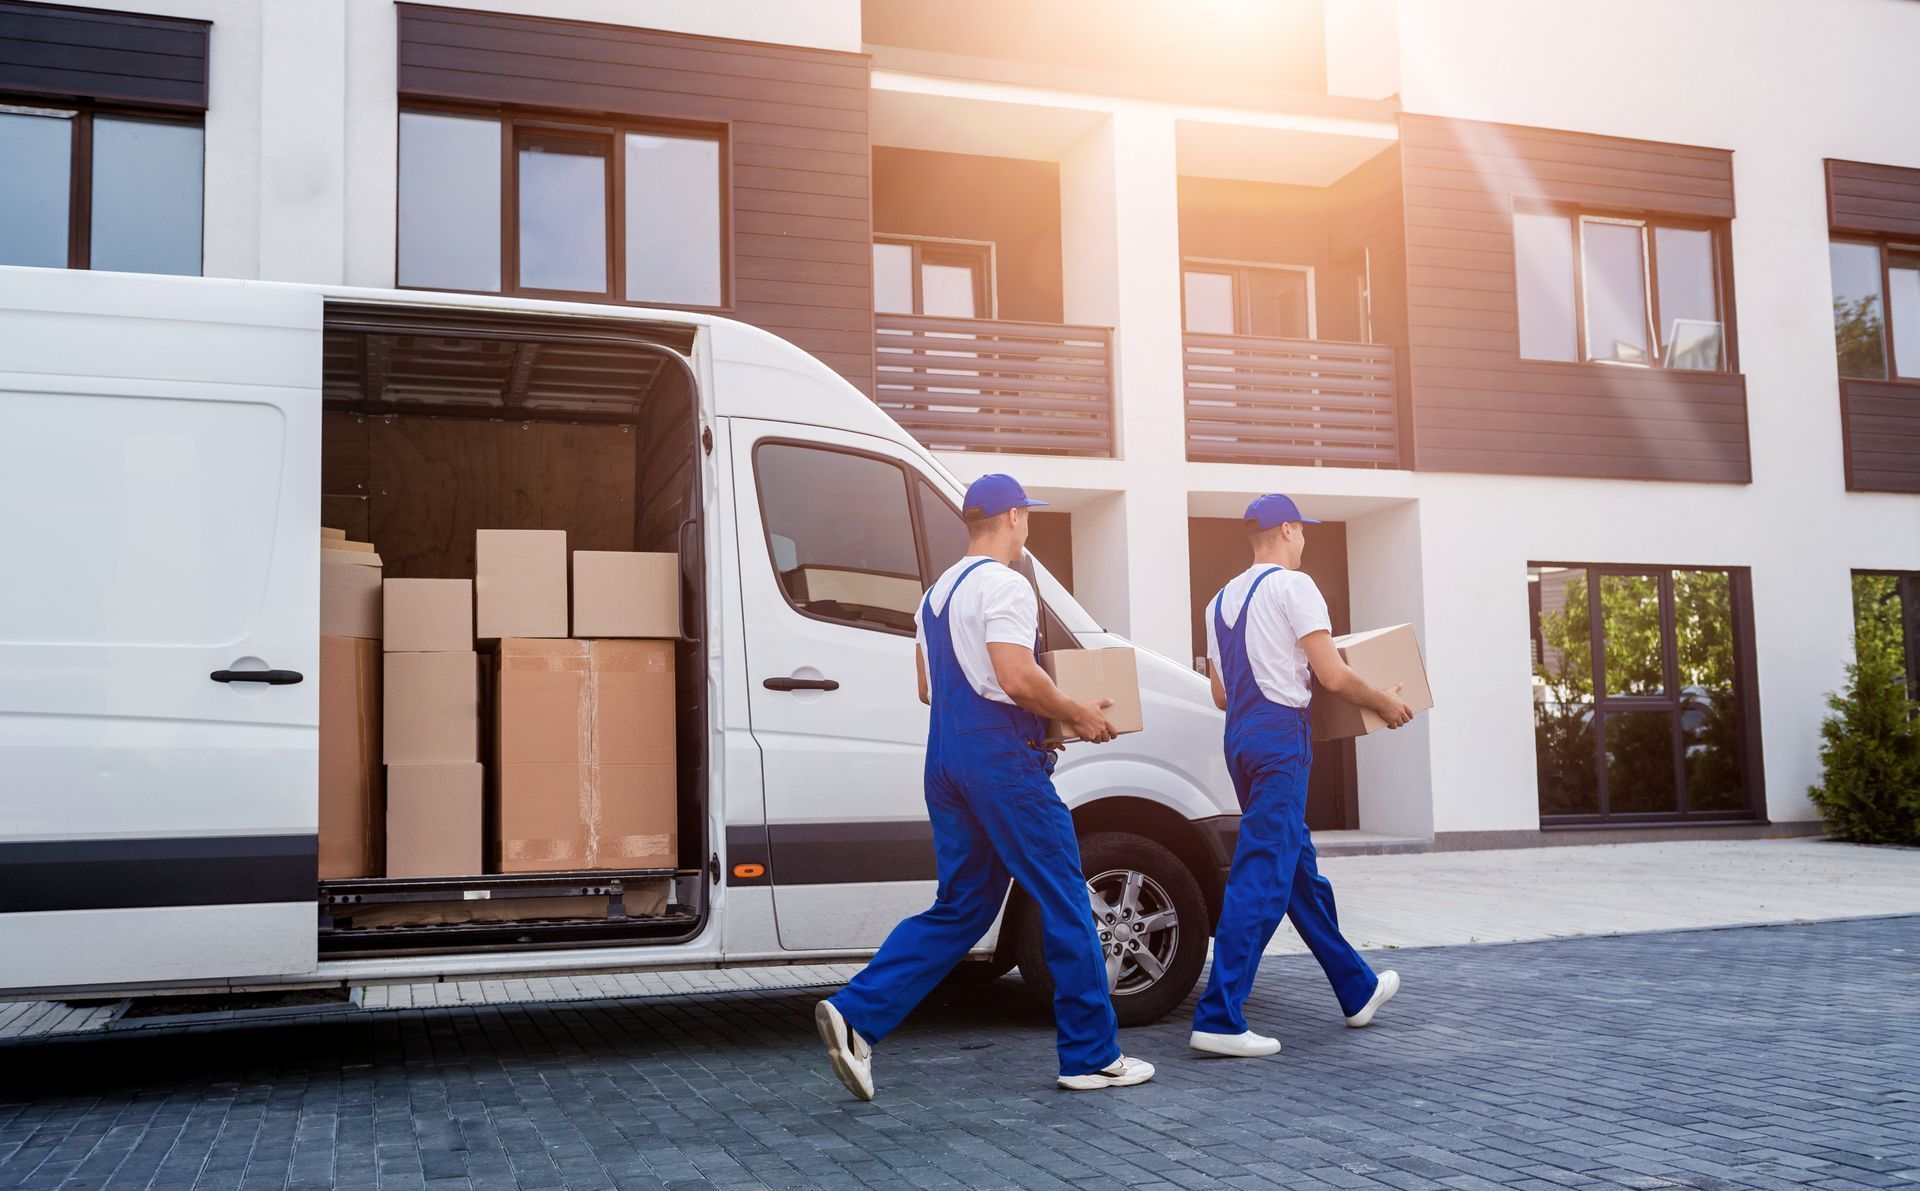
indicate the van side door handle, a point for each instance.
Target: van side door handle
{"x":270,"y":677}
{"x":801,"y":684}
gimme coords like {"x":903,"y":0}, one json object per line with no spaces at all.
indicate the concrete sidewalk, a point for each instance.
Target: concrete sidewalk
{"x":1386,"y":902}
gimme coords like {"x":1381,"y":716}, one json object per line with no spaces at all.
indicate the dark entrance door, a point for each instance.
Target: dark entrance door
{"x":1216,"y":552}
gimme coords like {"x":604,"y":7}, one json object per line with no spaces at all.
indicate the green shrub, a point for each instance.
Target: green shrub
{"x":1870,"y":748}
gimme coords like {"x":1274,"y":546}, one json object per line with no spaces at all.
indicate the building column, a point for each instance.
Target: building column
{"x":303,"y":141}
{"x":1120,"y":250}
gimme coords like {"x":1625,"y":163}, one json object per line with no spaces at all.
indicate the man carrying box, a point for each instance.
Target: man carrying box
{"x":994,"y":811}
{"x":1268,"y":636}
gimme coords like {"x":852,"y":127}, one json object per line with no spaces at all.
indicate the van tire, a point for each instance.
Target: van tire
{"x":1166,"y":884}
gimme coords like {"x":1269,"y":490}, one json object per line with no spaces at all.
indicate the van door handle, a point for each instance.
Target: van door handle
{"x":270,"y":677}
{"x":801,"y":684}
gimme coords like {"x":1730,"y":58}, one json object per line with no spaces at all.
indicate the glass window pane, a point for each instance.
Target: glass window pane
{"x":1690,"y":328}
{"x":1710,"y":728}
{"x":1563,"y":692}
{"x":945,"y":532}
{"x":841,"y":534}
{"x":1543,"y":278}
{"x":1640,"y":762}
{"x":1859,"y":313}
{"x":1277,"y":303}
{"x":1209,"y":302}
{"x":34,"y":199}
{"x":1879,"y":637}
{"x":146,"y":196}
{"x":1630,"y":636}
{"x":1614,"y":268}
{"x":893,"y":278}
{"x":563,"y":214}
{"x":673,"y":219}
{"x":449,"y":202}
{"x":947,"y":291}
{"x":1903,"y":311}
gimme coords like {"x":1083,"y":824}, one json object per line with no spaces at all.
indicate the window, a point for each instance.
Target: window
{"x":1641,"y":693}
{"x":1886,"y":623}
{"x":841,"y":534}
{"x":1876,"y":309}
{"x":940,"y":278}
{"x":590,"y":210}
{"x":1623,"y":291}
{"x":1272,"y":301}
{"x":93,"y":188}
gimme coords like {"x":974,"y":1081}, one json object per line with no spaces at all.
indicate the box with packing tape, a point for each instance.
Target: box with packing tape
{"x":1382,"y":657}
{"x":1095,"y":674}
{"x":585,"y":750}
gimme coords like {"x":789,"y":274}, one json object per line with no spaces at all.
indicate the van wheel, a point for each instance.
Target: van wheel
{"x":1152,"y":921}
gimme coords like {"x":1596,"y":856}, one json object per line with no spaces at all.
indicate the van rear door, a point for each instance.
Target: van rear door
{"x":159,"y":513}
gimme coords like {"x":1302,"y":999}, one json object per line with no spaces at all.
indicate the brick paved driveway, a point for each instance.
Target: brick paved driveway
{"x":1756,"y":1057}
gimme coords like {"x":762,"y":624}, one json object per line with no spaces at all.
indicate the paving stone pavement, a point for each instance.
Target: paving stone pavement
{"x":1771,"y":1057}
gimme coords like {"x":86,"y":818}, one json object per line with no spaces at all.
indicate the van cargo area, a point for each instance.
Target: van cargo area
{"x":440,"y":424}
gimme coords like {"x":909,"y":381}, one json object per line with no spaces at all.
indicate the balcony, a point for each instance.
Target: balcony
{"x":966,"y":384}
{"x":1299,"y":402}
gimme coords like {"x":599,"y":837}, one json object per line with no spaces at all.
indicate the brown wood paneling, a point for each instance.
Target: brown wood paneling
{"x":796,"y":127}
{"x":1881,"y":426}
{"x":1877,"y":200}
{"x":1013,"y":204}
{"x":433,"y":481}
{"x":1367,"y":212}
{"x":1475,"y":404}
{"x":120,"y":57}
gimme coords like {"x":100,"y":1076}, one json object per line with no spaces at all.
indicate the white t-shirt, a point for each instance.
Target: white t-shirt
{"x":994,"y":604}
{"x":1286,"y":608}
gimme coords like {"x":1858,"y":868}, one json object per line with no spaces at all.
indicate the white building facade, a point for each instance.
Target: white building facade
{"x":1537,"y":309}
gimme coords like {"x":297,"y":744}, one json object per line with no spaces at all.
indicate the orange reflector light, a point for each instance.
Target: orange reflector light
{"x":749,"y":872}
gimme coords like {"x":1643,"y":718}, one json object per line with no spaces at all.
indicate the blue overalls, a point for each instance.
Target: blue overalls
{"x":1269,"y":752}
{"x":994,"y":811}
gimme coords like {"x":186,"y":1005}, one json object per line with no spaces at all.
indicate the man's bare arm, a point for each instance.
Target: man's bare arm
{"x":1019,"y":674}
{"x":920,"y":668}
{"x":1338,"y":677}
{"x":1219,"y":691}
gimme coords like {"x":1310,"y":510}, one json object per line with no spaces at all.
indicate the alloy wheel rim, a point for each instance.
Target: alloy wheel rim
{"x":1138,"y":927}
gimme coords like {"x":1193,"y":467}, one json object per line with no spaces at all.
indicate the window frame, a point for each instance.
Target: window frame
{"x":1745,"y":685}
{"x":1649,"y":224}
{"x":1888,"y":247}
{"x":1238,"y":271}
{"x":980,"y":255}
{"x":613,"y":129}
{"x":80,"y":161}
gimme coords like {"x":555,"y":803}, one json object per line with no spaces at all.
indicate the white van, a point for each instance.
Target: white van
{"x":164,"y":448}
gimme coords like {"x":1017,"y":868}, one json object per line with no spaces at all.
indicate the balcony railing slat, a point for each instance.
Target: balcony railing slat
{"x":996,"y":385}
{"x":1305,"y":402}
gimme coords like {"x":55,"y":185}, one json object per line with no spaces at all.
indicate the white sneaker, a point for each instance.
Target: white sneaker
{"x":1124,"y":1073}
{"x":1389,"y":985}
{"x":1248,"y":1045}
{"x":852,"y":1058}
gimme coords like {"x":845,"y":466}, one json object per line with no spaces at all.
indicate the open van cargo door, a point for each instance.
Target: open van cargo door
{"x":159,"y":513}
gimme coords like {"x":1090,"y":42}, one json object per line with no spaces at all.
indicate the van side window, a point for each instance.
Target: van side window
{"x":944,"y":532}
{"x":840,"y":535}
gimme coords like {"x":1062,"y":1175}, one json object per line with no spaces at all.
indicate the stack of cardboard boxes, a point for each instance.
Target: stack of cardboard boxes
{"x":583,"y":739}
{"x":352,"y":807}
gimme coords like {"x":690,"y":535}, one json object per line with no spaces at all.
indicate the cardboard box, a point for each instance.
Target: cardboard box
{"x":342,"y":543}
{"x":349,"y":600}
{"x":1096,"y":674}
{"x":328,"y":533}
{"x":520,"y":583}
{"x":362,"y":558}
{"x":586,"y":775}
{"x":352,"y":806}
{"x":633,"y":755}
{"x":433,"y":818}
{"x":1382,"y":657}
{"x":428,"y":615}
{"x":625,"y":594}
{"x":432,"y":708}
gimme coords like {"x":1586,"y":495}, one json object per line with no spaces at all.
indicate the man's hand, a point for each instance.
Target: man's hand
{"x":1090,"y":724}
{"x":1390,"y":707}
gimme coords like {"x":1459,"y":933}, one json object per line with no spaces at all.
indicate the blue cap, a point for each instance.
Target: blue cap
{"x":1274,"y":509}
{"x":993,"y":494}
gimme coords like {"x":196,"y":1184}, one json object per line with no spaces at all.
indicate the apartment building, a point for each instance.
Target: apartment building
{"x":1592,"y":334}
